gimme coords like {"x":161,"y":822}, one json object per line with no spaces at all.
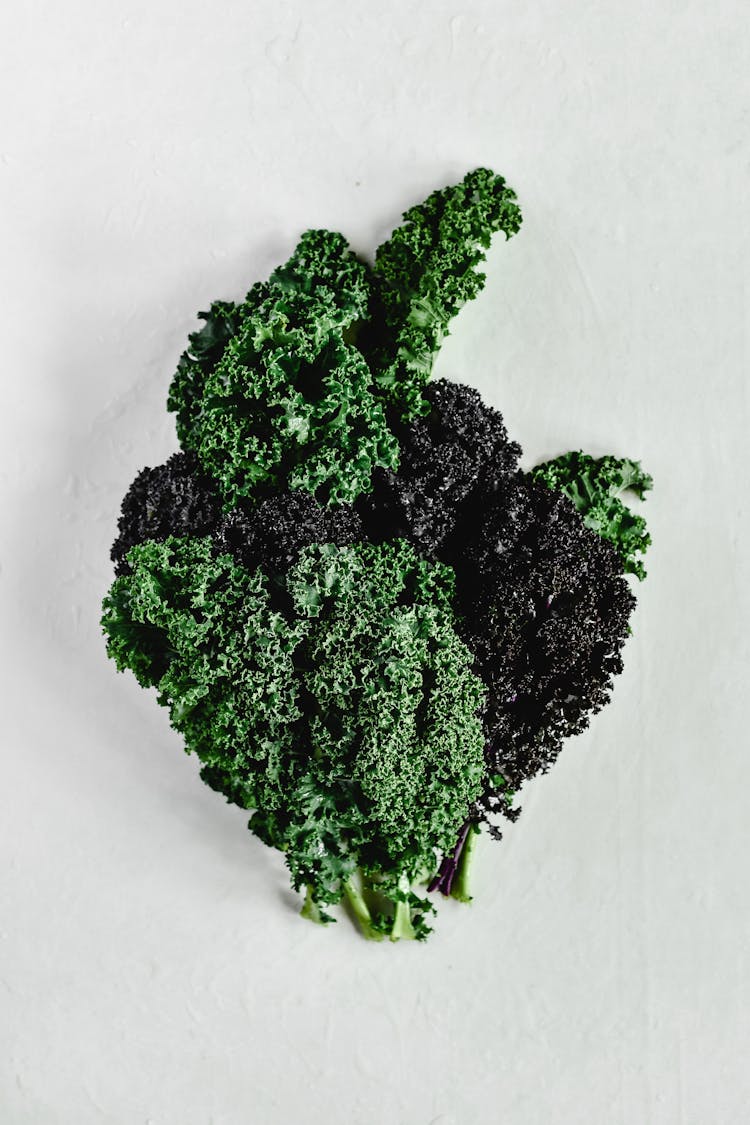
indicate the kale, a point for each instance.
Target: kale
{"x":205,"y":349}
{"x":369,"y":625}
{"x":276,"y":396}
{"x":175,"y":498}
{"x":272,"y":533}
{"x":425,"y":273}
{"x":351,"y":724}
{"x":204,"y":633}
{"x":544,"y":607}
{"x":594,"y":485}
{"x":541,"y":598}
{"x":452,"y":459}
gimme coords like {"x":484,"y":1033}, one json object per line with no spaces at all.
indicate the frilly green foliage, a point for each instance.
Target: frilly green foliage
{"x":595,"y":485}
{"x":350,"y":722}
{"x":205,"y":349}
{"x":204,"y":633}
{"x":289,"y":389}
{"x":425,"y":272}
{"x":272,"y":393}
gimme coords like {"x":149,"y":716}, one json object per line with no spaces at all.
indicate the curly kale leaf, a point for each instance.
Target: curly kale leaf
{"x":544,"y":607}
{"x":423,"y":275}
{"x":324,"y":261}
{"x":175,"y":498}
{"x":451,"y":461}
{"x":205,"y":349}
{"x":178,"y":499}
{"x":393,"y":689}
{"x":203,"y":632}
{"x":395,"y":724}
{"x":595,"y":486}
{"x":273,"y":532}
{"x":351,"y":723}
{"x":277,"y":396}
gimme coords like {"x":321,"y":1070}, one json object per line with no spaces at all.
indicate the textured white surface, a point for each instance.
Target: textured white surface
{"x":156,"y":155}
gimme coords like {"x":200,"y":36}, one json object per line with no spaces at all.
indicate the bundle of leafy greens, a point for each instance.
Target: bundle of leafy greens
{"x":366,"y":621}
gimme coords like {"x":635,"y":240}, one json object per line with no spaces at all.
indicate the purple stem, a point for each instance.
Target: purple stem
{"x":448,"y":869}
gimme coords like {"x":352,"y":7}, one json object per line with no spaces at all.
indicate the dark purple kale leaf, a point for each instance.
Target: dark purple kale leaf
{"x":451,"y":460}
{"x":544,"y":607}
{"x":175,"y":498}
{"x":272,"y":533}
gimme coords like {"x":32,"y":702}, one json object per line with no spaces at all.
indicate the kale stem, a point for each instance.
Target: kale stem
{"x":443,"y":880}
{"x":310,"y":909}
{"x":402,"y":928}
{"x":360,"y":910}
{"x":460,"y":887}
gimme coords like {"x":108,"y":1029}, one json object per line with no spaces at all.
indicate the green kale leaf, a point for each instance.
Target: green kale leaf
{"x":273,"y":393}
{"x":423,"y":275}
{"x":595,"y":485}
{"x":204,"y":632}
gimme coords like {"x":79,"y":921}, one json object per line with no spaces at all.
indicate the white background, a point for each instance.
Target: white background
{"x":154,"y":156}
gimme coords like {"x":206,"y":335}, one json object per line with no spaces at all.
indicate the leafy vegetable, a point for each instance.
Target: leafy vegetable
{"x":271,"y":394}
{"x":544,"y":608}
{"x":175,"y":498}
{"x":424,"y":274}
{"x":205,"y":634}
{"x":541,"y":599}
{"x":273,"y":532}
{"x":451,"y":459}
{"x":350,"y":723}
{"x":594,"y":485}
{"x":365,"y":620}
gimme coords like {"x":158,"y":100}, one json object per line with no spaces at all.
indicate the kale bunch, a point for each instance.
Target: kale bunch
{"x":366,"y":621}
{"x":350,"y":722}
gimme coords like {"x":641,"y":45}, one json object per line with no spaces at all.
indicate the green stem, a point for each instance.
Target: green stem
{"x":460,"y":888}
{"x":402,"y":928}
{"x":360,"y":910}
{"x":311,"y":910}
